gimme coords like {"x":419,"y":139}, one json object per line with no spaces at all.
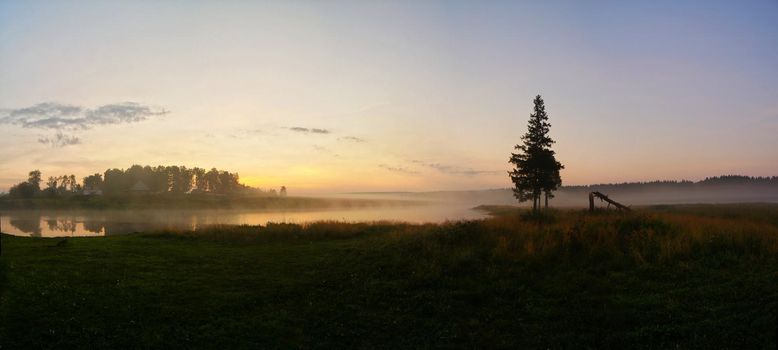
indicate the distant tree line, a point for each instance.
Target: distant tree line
{"x":137,"y":178}
{"x":708,"y":181}
{"x":734,"y":179}
{"x":172,"y":179}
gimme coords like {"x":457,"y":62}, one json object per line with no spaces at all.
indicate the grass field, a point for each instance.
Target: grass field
{"x":661,"y":277}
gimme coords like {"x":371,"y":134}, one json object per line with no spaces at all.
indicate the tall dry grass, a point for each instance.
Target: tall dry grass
{"x":645,"y":236}
{"x":642,"y":237}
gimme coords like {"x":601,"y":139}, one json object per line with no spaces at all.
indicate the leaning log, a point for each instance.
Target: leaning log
{"x":605,"y":198}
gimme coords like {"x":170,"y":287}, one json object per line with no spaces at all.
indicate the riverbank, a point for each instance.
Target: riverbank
{"x":688,"y":277}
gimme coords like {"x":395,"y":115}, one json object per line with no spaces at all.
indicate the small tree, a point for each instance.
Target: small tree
{"x":536,"y":169}
{"x":22,"y":190}
{"x":93,"y":182}
{"x":29,"y":188}
{"x":34,"y":178}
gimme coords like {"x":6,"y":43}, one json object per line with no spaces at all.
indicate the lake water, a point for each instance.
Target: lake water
{"x":50,"y":223}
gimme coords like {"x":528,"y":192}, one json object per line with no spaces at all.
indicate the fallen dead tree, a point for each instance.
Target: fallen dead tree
{"x":605,"y":198}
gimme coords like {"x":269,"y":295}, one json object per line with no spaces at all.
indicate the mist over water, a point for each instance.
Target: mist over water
{"x":414,"y":207}
{"x":56,"y":223}
{"x":578,"y":196}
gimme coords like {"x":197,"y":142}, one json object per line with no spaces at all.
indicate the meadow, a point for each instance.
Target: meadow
{"x":694,"y":276}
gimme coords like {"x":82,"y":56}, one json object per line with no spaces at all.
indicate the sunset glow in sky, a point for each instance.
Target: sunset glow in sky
{"x":337,"y":96}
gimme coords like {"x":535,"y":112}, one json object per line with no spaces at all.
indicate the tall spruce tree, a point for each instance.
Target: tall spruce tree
{"x":536,"y":169}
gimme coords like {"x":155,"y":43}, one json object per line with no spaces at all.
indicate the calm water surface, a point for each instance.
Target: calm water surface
{"x":49,"y":223}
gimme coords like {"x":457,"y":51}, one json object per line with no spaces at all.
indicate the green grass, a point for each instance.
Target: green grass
{"x":696,"y":277}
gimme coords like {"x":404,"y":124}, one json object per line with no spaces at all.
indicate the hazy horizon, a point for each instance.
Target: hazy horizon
{"x":350,"y":96}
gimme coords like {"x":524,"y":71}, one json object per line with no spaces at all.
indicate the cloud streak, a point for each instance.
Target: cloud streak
{"x":72,"y":118}
{"x":59,"y":140}
{"x":398,"y":169}
{"x":454,"y":170}
{"x":57,"y":116}
{"x":351,"y":139}
{"x":309,"y":130}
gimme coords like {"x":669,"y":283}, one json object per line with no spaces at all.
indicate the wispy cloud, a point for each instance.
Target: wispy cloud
{"x":351,"y":139}
{"x":59,"y":140}
{"x":308,"y":130}
{"x":71,"y":118}
{"x":57,"y":116}
{"x":398,"y":169}
{"x":454,"y":170}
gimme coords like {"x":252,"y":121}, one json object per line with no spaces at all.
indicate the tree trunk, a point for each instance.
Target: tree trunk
{"x":534,"y":202}
{"x":591,"y":201}
{"x":605,"y":198}
{"x":546,"y":205}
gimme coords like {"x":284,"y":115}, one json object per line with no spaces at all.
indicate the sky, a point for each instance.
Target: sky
{"x":341,"y":96}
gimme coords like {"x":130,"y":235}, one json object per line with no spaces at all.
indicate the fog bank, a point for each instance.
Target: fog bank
{"x":630,"y":195}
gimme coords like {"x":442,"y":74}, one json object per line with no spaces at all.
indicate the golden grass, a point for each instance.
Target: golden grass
{"x":641,"y":237}
{"x":645,"y":236}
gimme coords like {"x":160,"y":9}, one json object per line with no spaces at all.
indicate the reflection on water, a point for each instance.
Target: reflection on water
{"x":103,"y":222}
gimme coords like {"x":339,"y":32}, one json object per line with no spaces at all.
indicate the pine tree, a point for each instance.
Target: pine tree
{"x":536,"y":169}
